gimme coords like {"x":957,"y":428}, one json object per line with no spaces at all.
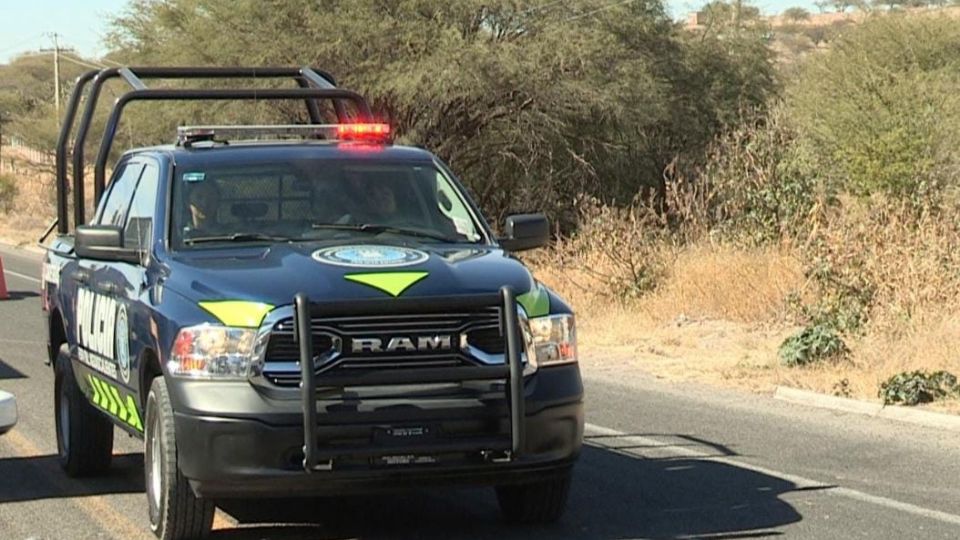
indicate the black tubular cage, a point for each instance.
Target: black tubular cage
{"x":503,"y":448}
{"x":313,"y":85}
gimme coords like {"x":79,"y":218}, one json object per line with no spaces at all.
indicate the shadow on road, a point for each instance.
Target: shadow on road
{"x":614,"y":496}
{"x":40,"y":477}
{"x":9,"y":372}
{"x":20,"y":295}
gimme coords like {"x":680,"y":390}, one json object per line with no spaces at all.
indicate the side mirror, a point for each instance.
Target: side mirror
{"x":104,"y":243}
{"x":525,"y":231}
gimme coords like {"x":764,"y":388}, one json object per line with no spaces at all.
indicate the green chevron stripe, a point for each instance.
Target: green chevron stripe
{"x":101,"y":392}
{"x":93,"y":387}
{"x":133,"y":417}
{"x":392,"y":283}
{"x":535,"y":302}
{"x":109,"y":398}
{"x":121,"y":410}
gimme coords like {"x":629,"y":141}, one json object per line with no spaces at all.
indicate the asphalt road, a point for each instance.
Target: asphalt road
{"x":662,"y":461}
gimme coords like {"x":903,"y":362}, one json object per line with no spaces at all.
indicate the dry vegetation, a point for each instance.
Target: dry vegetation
{"x":31,"y":207}
{"x":717,"y":311}
{"x":692,"y":305}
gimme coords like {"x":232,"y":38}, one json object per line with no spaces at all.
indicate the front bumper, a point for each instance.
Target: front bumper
{"x":386,"y":438}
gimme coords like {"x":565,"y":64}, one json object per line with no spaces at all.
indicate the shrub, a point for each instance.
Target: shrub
{"x":620,"y":248}
{"x":880,"y":109}
{"x":915,"y":387}
{"x":8,"y":192}
{"x":762,"y":185}
{"x":814,"y":343}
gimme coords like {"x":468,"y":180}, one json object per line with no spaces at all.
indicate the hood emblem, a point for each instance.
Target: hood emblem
{"x":370,"y":256}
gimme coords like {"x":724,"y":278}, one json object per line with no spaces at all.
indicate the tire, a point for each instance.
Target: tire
{"x":175,"y":512}
{"x":84,"y":434}
{"x":535,"y":503}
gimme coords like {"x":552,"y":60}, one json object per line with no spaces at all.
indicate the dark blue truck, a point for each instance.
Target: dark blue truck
{"x":300,"y":310}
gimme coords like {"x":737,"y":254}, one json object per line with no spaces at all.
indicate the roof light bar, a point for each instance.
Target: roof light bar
{"x":364,"y":132}
{"x":369,"y":133}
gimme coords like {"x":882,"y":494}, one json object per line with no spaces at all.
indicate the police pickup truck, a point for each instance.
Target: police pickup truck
{"x":299,"y":310}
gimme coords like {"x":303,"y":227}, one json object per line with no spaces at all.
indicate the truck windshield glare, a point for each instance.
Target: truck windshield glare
{"x":316,"y":200}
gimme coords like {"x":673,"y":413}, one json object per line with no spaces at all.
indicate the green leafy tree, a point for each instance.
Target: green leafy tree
{"x":881,"y":109}
{"x":534,"y":103}
{"x":796,"y":14}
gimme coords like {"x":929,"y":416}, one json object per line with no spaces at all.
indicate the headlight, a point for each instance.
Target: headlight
{"x":212,"y":352}
{"x":552,"y":340}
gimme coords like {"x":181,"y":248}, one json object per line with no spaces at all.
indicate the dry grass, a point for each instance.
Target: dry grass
{"x":718,"y":282}
{"x":34,"y":206}
{"x":718,"y":316}
{"x":719,"y":312}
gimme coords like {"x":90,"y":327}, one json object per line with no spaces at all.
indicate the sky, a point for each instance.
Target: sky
{"x":26,"y":25}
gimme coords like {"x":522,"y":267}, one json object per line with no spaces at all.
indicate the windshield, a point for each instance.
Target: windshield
{"x":317,"y":200}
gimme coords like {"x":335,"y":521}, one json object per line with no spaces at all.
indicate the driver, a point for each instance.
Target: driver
{"x":203,"y":202}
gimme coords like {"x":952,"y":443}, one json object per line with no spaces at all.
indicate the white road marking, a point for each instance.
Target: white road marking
{"x":21,"y":276}
{"x":800,"y":481}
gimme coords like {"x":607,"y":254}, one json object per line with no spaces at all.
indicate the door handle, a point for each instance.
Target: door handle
{"x":80,"y":276}
{"x":110,"y":288}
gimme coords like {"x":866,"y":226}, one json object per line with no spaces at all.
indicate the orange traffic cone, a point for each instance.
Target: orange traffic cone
{"x":3,"y":283}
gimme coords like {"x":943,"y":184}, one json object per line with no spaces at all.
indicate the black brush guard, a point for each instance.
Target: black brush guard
{"x":497,"y":448}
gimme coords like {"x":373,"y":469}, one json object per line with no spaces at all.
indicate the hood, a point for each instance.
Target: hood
{"x":273,"y":275}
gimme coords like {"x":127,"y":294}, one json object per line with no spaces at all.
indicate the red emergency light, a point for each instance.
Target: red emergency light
{"x":374,"y":133}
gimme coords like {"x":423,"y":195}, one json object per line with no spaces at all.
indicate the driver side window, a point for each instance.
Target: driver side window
{"x":114,"y":206}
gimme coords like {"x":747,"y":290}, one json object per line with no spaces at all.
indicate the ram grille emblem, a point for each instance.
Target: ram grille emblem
{"x":436,"y":342}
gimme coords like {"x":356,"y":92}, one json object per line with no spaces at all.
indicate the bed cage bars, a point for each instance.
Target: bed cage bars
{"x":313,"y":85}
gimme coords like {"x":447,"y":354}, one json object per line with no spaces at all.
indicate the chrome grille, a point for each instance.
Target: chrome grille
{"x":481,"y":329}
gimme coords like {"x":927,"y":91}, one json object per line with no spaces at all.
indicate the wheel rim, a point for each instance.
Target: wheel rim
{"x":154,"y":474}
{"x":63,"y":412}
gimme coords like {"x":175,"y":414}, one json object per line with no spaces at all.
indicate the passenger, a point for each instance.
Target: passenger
{"x":370,"y":200}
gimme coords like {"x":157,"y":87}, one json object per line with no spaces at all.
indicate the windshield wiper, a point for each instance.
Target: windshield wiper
{"x":237,"y":237}
{"x":377,"y":229}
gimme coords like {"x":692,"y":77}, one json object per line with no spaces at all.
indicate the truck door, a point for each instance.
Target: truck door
{"x":135,"y":280}
{"x":100,"y":308}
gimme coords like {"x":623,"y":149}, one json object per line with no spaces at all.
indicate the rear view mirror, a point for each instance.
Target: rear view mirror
{"x":104,"y":243}
{"x":525,"y":231}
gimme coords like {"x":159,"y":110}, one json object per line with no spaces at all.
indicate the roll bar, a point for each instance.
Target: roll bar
{"x":314,"y":84}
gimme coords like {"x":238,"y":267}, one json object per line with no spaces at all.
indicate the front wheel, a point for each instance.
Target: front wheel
{"x":175,"y":512}
{"x":535,"y":503}
{"x":84,"y":434}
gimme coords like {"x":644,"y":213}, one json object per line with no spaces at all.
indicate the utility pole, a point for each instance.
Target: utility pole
{"x":56,"y":76}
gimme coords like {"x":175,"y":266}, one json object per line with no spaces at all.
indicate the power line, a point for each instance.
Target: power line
{"x":84,"y":63}
{"x":73,"y":59}
{"x":22,"y":43}
{"x":598,"y":10}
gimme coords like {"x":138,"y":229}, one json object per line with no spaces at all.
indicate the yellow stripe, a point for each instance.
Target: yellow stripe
{"x":96,"y":391}
{"x":121,"y":410}
{"x":100,"y":392}
{"x":133,"y":417}
{"x":112,"y":404}
{"x":237,"y":312}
